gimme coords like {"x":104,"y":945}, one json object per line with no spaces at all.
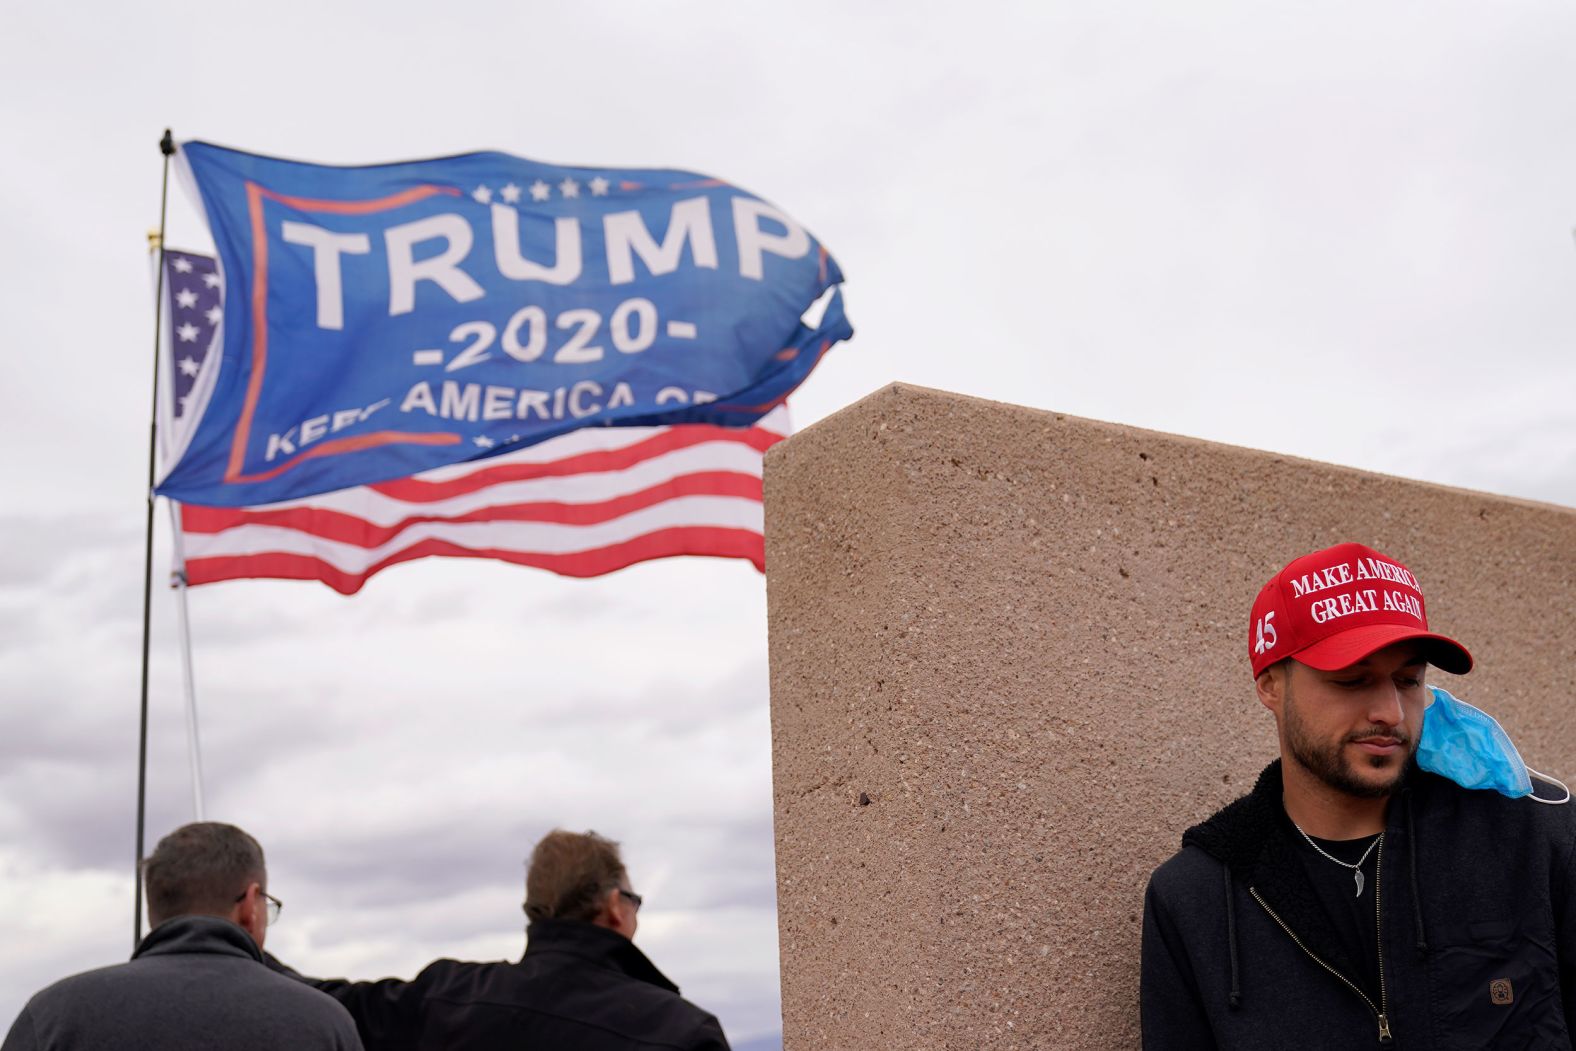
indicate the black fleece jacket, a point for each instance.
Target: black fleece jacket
{"x":579,"y":987}
{"x":1476,"y":916}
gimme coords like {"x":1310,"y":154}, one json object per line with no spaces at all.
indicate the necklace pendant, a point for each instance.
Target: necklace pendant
{"x":1357,"y":876}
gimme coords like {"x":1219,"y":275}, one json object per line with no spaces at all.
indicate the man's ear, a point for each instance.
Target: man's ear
{"x":606,"y":913}
{"x":241,"y":911}
{"x":250,"y":912}
{"x":1271,"y":687}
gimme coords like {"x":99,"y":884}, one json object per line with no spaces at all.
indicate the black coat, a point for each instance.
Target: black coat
{"x":1477,"y":930}
{"x":579,"y":987}
{"x":194,"y":984}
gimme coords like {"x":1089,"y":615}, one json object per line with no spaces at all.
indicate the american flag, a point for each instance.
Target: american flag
{"x":194,"y":305}
{"x":583,"y":504}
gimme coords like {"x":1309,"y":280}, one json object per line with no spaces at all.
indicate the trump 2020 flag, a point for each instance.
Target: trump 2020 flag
{"x":582,"y":504}
{"x":385,"y":320}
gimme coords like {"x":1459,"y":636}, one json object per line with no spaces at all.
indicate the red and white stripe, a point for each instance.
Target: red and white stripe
{"x":583,"y":504}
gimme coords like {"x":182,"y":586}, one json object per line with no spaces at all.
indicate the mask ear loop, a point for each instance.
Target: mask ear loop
{"x":1549,"y":780}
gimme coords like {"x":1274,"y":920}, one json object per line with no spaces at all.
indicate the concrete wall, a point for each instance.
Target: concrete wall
{"x":1009,"y":666}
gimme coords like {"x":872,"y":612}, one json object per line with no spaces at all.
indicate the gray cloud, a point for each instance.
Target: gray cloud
{"x":35,"y":548}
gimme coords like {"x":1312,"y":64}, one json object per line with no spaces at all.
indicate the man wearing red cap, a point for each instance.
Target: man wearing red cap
{"x":1354,"y":897}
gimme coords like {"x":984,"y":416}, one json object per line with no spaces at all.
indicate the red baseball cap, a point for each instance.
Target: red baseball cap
{"x":1334,"y":607}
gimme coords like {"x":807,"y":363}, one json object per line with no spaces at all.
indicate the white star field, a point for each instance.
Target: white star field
{"x":567,"y":188}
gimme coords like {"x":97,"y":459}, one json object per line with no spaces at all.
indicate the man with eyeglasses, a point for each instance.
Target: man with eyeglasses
{"x":581,"y":984}
{"x":198,"y":980}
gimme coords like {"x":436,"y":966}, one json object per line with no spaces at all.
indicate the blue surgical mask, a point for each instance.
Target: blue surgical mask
{"x":1470,"y":748}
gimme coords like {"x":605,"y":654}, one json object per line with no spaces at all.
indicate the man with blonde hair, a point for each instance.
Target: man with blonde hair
{"x":581,"y":984}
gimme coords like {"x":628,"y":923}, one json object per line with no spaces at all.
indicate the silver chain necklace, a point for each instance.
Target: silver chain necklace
{"x":1357,"y":867}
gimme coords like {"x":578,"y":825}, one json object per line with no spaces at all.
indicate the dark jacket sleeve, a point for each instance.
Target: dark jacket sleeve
{"x":1564,"y":900}
{"x":387,"y":1012}
{"x":1173,"y":1016}
{"x":709,"y":1037}
{"x":21,"y":1037}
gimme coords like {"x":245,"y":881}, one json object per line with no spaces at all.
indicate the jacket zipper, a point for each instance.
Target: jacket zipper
{"x":1381,"y":1015}
{"x":1384,"y":1007}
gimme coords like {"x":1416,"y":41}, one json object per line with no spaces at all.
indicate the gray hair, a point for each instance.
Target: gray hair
{"x":200,"y":870}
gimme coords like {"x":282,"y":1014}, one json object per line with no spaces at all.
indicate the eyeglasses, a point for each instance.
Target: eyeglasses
{"x":633,"y":898}
{"x":272,"y":906}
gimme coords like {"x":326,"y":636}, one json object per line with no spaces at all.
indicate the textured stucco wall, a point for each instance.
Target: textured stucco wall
{"x":1008,"y":659}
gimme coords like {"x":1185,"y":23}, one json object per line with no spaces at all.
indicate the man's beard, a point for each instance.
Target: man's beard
{"x":1328,"y":760}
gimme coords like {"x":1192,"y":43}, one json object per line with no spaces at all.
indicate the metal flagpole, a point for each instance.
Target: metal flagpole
{"x":166,"y":147}
{"x":189,"y":679}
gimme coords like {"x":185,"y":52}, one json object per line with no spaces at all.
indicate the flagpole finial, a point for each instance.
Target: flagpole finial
{"x":155,"y":239}
{"x":167,"y":144}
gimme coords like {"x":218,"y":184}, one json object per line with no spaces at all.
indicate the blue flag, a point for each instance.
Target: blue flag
{"x":383,"y":320}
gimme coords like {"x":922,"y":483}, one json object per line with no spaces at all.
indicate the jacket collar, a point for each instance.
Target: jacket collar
{"x":198,"y":934}
{"x":1240,"y":833}
{"x":595,"y":944}
{"x":1252,"y":837}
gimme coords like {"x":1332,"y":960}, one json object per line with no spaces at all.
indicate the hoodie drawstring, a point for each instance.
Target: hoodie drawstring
{"x":1235,"y":997}
{"x":1411,"y":856}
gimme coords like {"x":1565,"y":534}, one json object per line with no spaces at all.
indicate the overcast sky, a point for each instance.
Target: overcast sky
{"x":1337,"y":230}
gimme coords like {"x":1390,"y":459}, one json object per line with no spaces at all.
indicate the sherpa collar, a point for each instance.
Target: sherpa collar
{"x":1252,"y":838}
